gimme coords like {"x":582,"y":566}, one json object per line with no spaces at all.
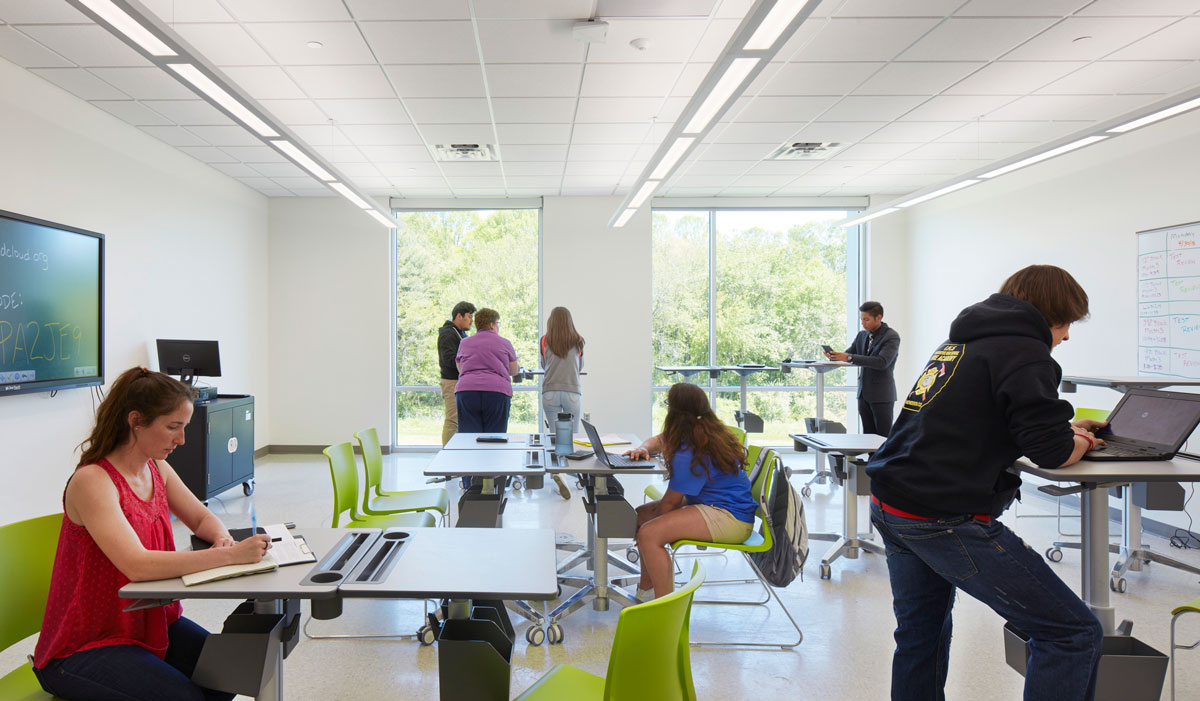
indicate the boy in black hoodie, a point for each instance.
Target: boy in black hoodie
{"x":986,"y":397}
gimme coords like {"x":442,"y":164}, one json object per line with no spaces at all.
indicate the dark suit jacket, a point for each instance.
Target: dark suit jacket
{"x":875,"y":382}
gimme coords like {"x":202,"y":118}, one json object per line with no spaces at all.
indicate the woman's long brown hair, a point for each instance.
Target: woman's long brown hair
{"x":151,"y":394}
{"x":561,"y":335}
{"x":691,"y":420}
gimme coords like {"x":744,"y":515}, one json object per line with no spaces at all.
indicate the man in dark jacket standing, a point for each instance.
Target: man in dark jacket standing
{"x":874,"y":350}
{"x":449,"y":336}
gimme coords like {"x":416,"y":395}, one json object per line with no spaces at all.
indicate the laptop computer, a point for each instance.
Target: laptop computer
{"x":1148,"y":424}
{"x":611,"y":460}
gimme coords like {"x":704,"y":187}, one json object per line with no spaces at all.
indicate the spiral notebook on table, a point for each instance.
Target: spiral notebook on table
{"x":286,"y":549}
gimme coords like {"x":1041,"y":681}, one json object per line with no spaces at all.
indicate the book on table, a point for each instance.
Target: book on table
{"x":286,"y":549}
{"x":606,"y":439}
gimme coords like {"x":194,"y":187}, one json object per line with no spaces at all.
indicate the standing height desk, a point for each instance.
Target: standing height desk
{"x":820,"y":367}
{"x":456,"y":564}
{"x":516,"y":441}
{"x":493,"y":467}
{"x":743,"y":371}
{"x":1094,"y":479}
{"x":851,"y":445}
{"x":1132,"y":551}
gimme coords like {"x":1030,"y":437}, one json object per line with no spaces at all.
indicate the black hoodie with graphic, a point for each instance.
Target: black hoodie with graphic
{"x":986,"y":397}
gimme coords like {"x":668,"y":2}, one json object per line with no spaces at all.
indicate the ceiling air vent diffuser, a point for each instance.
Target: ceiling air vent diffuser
{"x":466,"y":152}
{"x":806,"y":151}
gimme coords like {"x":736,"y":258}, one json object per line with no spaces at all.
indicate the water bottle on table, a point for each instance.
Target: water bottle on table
{"x":562,"y":435}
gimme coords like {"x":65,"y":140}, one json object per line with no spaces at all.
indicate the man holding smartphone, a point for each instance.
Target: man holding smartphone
{"x":874,"y":350}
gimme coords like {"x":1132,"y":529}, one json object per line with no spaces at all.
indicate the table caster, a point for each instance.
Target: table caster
{"x":632,"y":554}
{"x":518,"y":483}
{"x":826,"y":571}
{"x":554,"y":634}
{"x":1117,"y":584}
{"x":1054,"y":554}
{"x":806,"y":492}
{"x":426,"y":635}
{"x":534,"y":635}
{"x":248,"y":488}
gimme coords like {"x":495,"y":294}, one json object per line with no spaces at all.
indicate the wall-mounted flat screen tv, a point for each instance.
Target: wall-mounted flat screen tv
{"x":51,"y":306}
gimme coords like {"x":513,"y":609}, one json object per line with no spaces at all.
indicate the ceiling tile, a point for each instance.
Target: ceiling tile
{"x":259,"y":182}
{"x":176,"y":136}
{"x":1013,"y":77}
{"x":529,"y":41}
{"x":342,"y":82}
{"x":209,"y":154}
{"x":873,"y":39}
{"x":1144,"y":7}
{"x":480,"y":192}
{"x":956,"y":108}
{"x":967,"y":151}
{"x":706,"y":167}
{"x":409,"y":169}
{"x":793,"y":110}
{"x":254,"y":154}
{"x":295,"y":111}
{"x":871,"y":152}
{"x":602,"y":152}
{"x":188,"y":112}
{"x":286,"y":10}
{"x":236,"y":170}
{"x":359,"y":170}
{"x":628,"y":109}
{"x":264,"y":83}
{"x":752,"y":132}
{"x":409,"y":9}
{"x":888,"y":8}
{"x":86,"y":44}
{"x":1107,"y":77}
{"x":532,"y":110}
{"x":1179,"y":41}
{"x":990,"y":130}
{"x":422,"y":42}
{"x":596,"y":167}
{"x":736,"y":152}
{"x":448,"y":110}
{"x":384,"y":111}
{"x":591,"y":181}
{"x":149,"y":83}
{"x":226,"y":136}
{"x":910,"y":132}
{"x":471,"y":181}
{"x":845,"y":168}
{"x":26,"y":12}
{"x":1063,"y":42}
{"x":133,"y":112}
{"x":458,"y":134}
{"x":374,"y":185}
{"x":1068,"y":107}
{"x":525,"y":9}
{"x":836,"y":131}
{"x":458,"y":171}
{"x":18,"y":48}
{"x":919,"y":167}
{"x":669,"y":41}
{"x":287,"y":42}
{"x":534,"y":80}
{"x":521,"y":168}
{"x":1180,"y":79}
{"x":279,"y":170}
{"x":459,"y":80}
{"x":1021,"y":8}
{"x":831,"y":78}
{"x":968,"y":39}
{"x":410,"y":182}
{"x":533,"y":153}
{"x":299,"y":182}
{"x":790,"y":169}
{"x":534,"y":133}
{"x":173,"y":12}
{"x":861,"y":108}
{"x":427,"y":192}
{"x":379,"y":134}
{"x":917,"y":78}
{"x":348,"y":154}
{"x":629,"y":80}
{"x":225,"y":44}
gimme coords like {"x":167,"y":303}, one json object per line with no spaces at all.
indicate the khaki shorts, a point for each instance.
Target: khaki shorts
{"x":723,"y":527}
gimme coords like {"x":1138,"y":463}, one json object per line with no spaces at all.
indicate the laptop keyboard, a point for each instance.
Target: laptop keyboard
{"x":622,"y":461}
{"x":1120,"y":450}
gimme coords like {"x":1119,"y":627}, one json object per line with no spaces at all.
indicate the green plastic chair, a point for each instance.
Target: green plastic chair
{"x":386,"y":503}
{"x":739,"y":433}
{"x":649,"y":658}
{"x":345,"y":495}
{"x":760,"y":540}
{"x":27,"y":547}
{"x":1192,"y":606}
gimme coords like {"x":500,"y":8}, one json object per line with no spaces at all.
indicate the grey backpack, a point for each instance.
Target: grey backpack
{"x":785,"y":520}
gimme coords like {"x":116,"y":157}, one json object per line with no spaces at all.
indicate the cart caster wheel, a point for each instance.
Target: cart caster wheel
{"x":425,"y":635}
{"x":518,"y":483}
{"x":558,"y":592}
{"x":826,"y":571}
{"x":1054,"y":554}
{"x":535,"y":636}
{"x":1117,"y":584}
{"x":806,"y":492}
{"x":580,"y":485}
{"x":554,"y":634}
{"x":632,"y":554}
{"x":247,"y":488}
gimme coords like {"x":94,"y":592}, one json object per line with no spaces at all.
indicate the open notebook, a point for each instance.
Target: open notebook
{"x":286,"y":549}
{"x":606,"y":439}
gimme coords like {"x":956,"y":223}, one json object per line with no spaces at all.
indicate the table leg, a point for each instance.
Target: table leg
{"x":743,"y":376}
{"x":820,"y":399}
{"x":272,"y":689}
{"x":1094,"y":518}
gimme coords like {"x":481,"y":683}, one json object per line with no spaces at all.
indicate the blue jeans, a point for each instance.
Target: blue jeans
{"x":481,"y":412}
{"x":125,"y":672}
{"x":928,"y":560}
{"x":555,"y":402}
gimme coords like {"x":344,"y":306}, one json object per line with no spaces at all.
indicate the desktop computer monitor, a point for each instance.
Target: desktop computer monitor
{"x":189,"y":359}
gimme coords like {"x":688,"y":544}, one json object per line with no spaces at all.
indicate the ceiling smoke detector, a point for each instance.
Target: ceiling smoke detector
{"x":806,"y":151}
{"x":590,"y":31}
{"x":457,"y":153}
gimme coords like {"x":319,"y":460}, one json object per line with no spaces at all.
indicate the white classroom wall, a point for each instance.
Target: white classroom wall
{"x":1079,"y":211}
{"x":186,"y":257}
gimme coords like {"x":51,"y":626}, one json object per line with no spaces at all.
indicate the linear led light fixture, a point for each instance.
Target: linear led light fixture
{"x":209,"y":87}
{"x":1156,"y":116}
{"x":939,"y":192}
{"x":302,"y":159}
{"x":764,"y":30}
{"x":123,"y":22}
{"x":386,"y":221}
{"x":1044,"y":155}
{"x":859,"y":220}
{"x":350,"y":195}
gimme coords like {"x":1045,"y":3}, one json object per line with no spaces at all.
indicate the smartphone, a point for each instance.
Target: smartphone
{"x":491,"y":439}
{"x":827,"y":349}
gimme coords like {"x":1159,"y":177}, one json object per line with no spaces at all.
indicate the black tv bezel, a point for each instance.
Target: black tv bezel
{"x":9,"y":389}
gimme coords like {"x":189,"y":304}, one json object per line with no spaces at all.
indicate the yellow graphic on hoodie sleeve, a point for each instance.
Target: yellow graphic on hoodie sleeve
{"x":936,"y":375}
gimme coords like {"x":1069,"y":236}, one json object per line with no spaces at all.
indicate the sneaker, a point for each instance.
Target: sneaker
{"x":562,"y":487}
{"x":644,"y":595}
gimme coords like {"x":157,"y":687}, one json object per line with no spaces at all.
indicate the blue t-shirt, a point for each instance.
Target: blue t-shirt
{"x":730,"y":492}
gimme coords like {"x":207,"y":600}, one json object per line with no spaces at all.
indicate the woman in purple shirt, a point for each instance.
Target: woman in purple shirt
{"x":486,"y":365}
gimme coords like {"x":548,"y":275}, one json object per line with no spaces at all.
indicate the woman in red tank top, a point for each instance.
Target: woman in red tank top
{"x":117,"y":529}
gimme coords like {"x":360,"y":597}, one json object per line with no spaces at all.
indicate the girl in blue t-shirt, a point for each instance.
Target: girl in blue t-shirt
{"x":708,"y":493}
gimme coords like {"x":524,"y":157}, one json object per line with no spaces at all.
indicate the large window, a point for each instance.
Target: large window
{"x":486,"y":257}
{"x":741,"y":286}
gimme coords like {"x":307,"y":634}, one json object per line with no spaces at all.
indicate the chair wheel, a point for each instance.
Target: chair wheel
{"x":1117,"y":584}
{"x":425,"y":634}
{"x":248,"y":488}
{"x":826,"y":571}
{"x":1054,"y":554}
{"x":632,"y":554}
{"x":554,"y":634}
{"x":534,"y":635}
{"x":806,"y":492}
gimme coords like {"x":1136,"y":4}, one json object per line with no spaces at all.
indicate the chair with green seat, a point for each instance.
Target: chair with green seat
{"x":383,"y":503}
{"x":345,"y":495}
{"x":759,"y":541}
{"x":1192,"y":606}
{"x":649,"y":658}
{"x":27,"y":547}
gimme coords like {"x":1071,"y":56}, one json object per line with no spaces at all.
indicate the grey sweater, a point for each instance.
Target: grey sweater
{"x":562,"y":374}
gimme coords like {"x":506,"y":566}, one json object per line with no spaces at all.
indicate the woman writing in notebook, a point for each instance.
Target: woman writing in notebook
{"x":562,"y":357}
{"x":708,"y":494}
{"x":116,"y":529}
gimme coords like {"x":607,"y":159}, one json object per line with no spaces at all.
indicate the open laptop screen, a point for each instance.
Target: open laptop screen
{"x":1160,"y":418}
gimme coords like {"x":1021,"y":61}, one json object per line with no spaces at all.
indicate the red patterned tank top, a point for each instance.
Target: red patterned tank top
{"x":83,"y":610}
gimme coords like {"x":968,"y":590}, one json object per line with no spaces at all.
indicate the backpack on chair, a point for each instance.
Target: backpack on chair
{"x":785,"y":519}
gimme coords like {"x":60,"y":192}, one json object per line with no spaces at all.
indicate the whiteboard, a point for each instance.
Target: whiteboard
{"x":1169,"y":301}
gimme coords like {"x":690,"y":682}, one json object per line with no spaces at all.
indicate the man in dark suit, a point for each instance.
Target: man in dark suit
{"x":874,"y":350}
